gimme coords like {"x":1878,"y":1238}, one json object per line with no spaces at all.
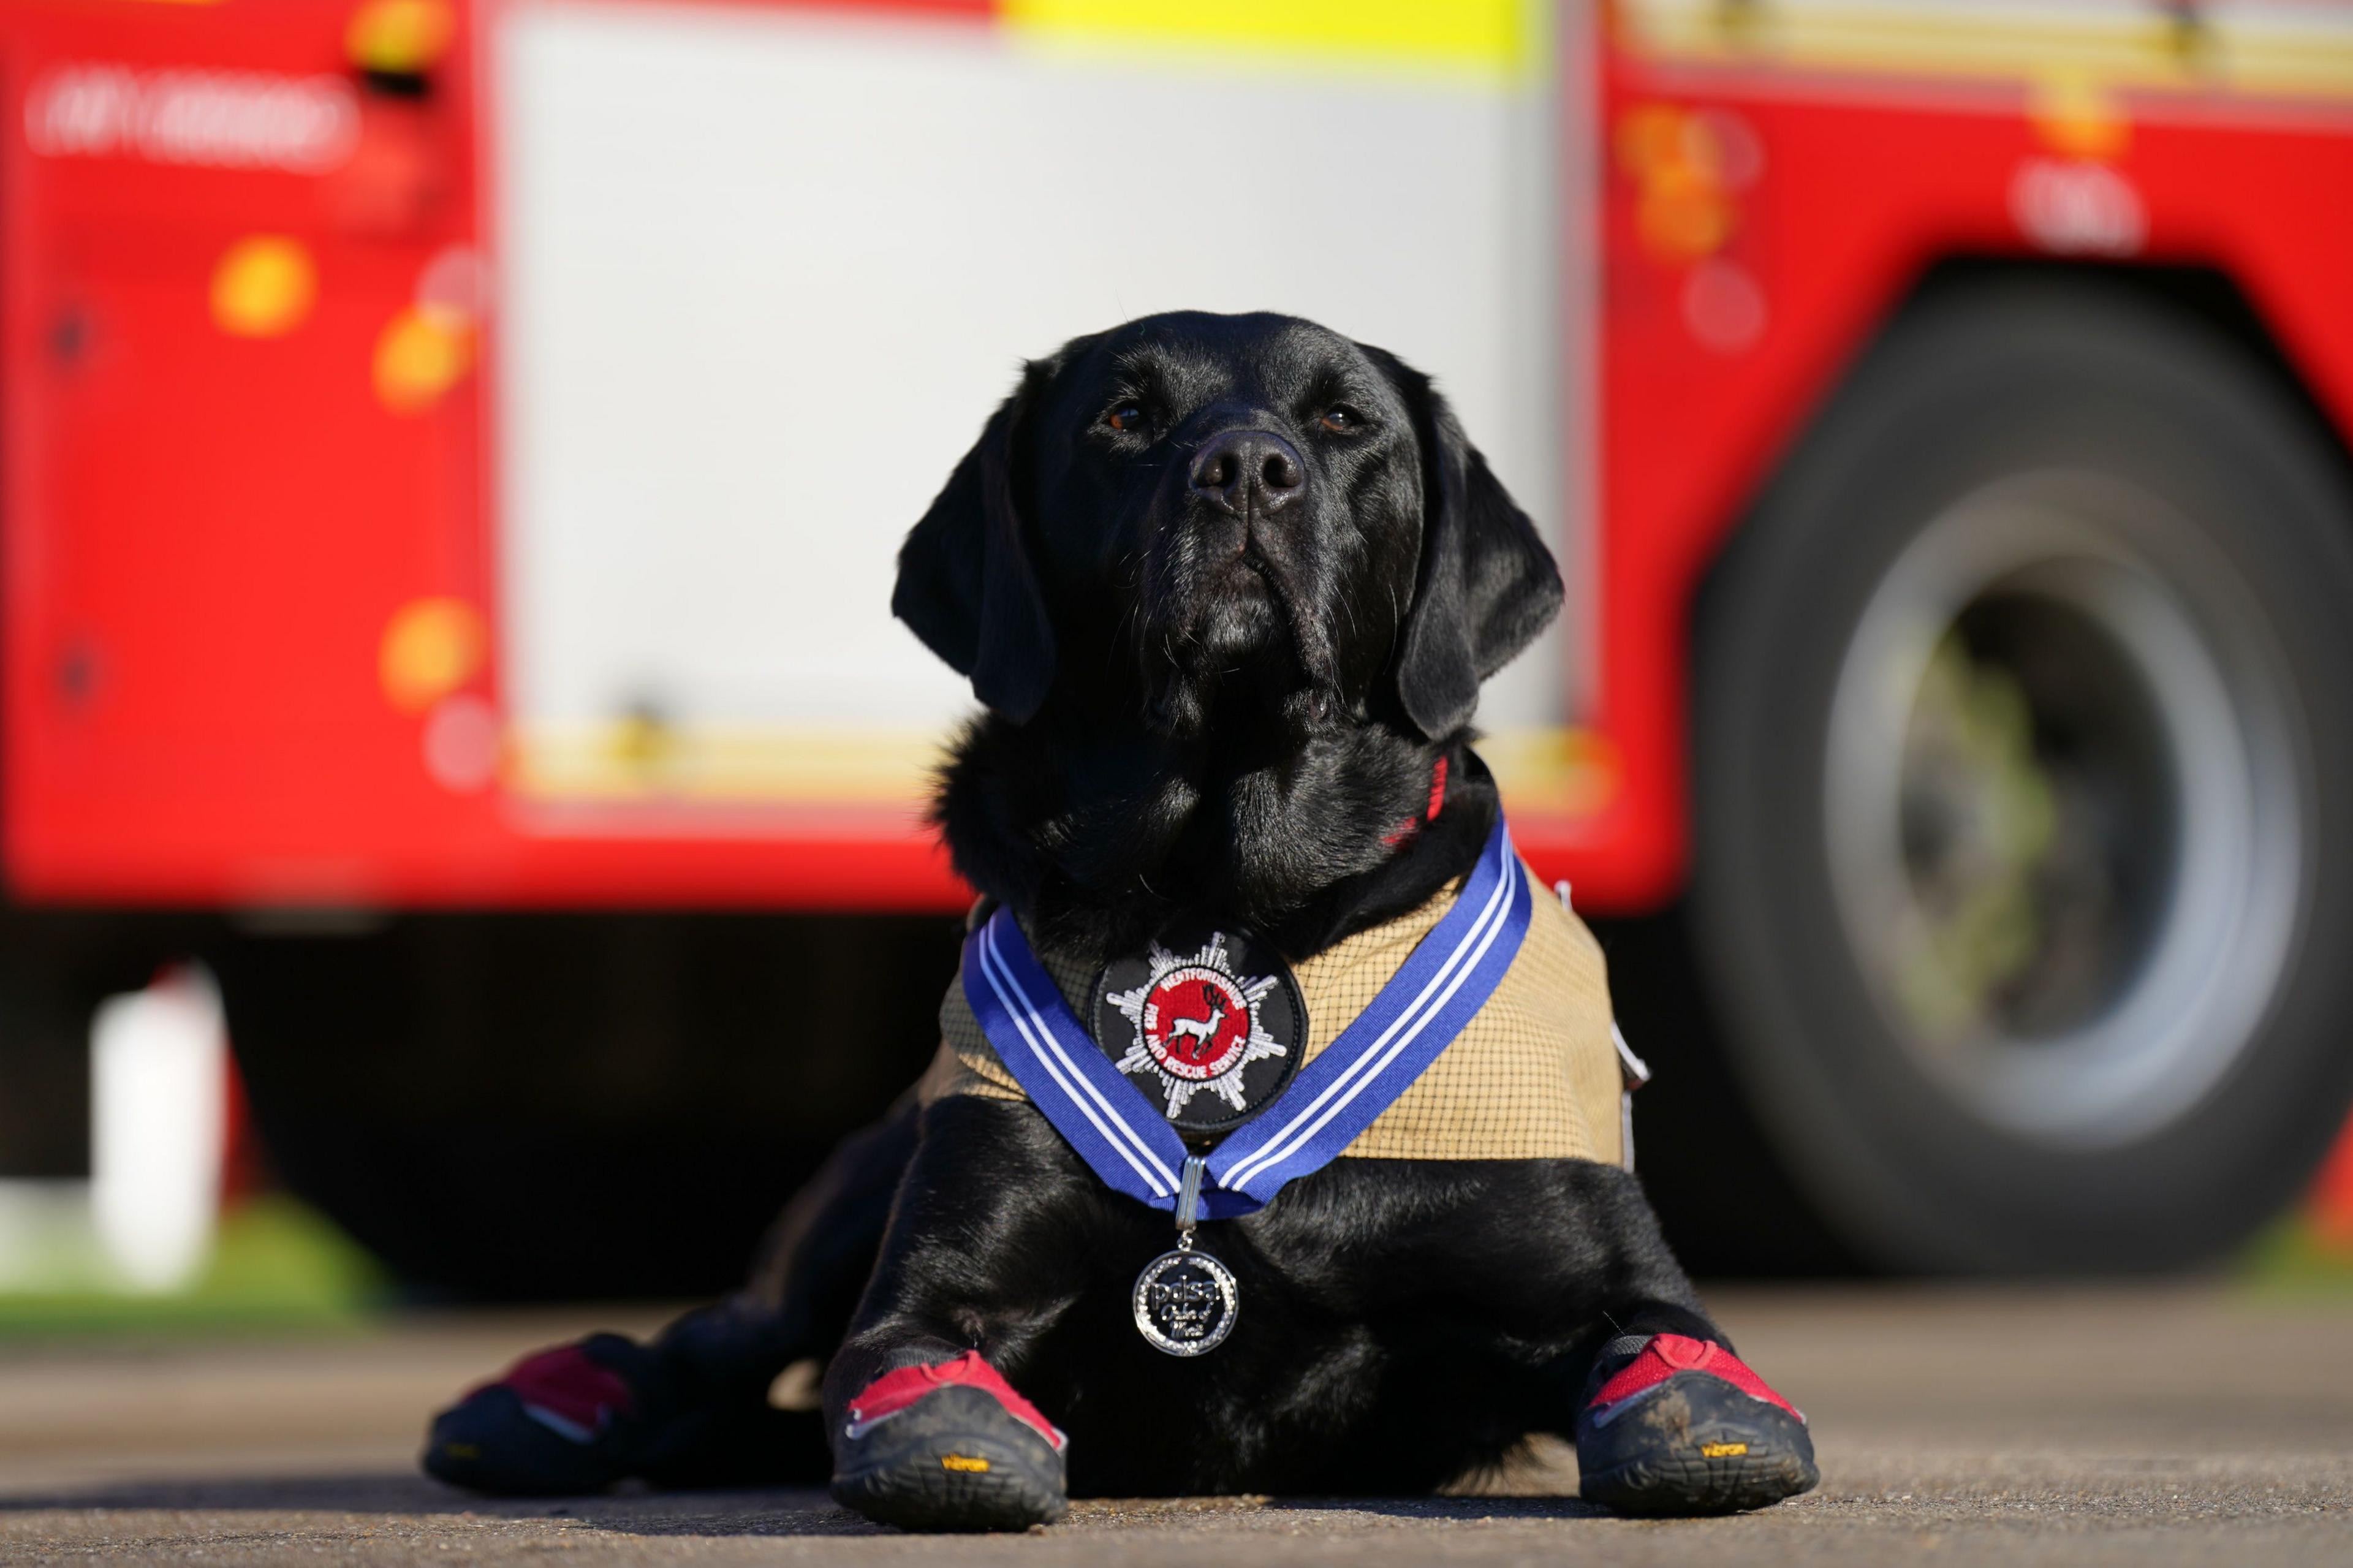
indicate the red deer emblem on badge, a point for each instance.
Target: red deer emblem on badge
{"x":1197,"y":1024}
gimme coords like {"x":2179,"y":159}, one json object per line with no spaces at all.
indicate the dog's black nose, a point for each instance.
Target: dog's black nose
{"x":1242,"y":468}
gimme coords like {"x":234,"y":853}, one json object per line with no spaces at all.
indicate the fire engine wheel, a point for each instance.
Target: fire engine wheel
{"x":2025,"y":874}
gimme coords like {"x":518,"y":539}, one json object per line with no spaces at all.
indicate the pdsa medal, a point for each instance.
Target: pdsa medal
{"x":1185,"y":1302}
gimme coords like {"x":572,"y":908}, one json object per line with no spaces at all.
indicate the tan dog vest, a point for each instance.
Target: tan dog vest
{"x":1536,"y":1074}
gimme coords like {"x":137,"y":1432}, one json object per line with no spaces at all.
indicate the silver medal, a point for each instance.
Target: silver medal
{"x":1185,"y":1302}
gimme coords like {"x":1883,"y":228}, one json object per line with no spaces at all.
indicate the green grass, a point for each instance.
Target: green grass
{"x":2292,"y":1256}
{"x":276,"y":1265}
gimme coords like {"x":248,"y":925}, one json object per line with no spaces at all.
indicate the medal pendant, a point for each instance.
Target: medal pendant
{"x":1185,"y":1302}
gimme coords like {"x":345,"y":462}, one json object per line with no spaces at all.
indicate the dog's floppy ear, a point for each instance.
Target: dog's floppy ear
{"x":966,"y":582}
{"x":1488,"y":585}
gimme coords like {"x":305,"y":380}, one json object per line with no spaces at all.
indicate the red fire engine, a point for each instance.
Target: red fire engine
{"x":417,"y":601}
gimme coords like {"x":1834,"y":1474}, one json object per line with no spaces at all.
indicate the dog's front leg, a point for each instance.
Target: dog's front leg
{"x":985,"y":1249}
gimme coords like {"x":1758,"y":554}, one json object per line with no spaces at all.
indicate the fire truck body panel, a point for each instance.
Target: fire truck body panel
{"x":527,"y":603}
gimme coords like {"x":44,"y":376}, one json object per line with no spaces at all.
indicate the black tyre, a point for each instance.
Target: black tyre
{"x":2024,"y":765}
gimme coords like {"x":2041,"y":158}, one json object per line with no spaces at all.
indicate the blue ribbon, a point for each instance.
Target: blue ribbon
{"x":1436,"y":992}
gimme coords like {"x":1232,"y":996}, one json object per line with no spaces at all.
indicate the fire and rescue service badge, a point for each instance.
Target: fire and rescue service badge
{"x":1210,"y":1030}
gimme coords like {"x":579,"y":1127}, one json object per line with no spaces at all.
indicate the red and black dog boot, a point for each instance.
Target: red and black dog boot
{"x":560,"y":1423}
{"x":949,"y":1447}
{"x":1678,"y":1425}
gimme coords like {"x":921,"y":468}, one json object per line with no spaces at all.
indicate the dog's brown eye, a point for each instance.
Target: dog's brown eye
{"x":1127,"y":417}
{"x":1340,"y":416}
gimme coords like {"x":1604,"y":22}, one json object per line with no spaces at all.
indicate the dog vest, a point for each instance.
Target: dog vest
{"x":1538,"y":1072}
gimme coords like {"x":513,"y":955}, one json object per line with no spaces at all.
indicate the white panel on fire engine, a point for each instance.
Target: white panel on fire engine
{"x":766,"y":273}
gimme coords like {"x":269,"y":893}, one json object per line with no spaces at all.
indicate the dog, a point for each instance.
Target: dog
{"x":1226,"y":588}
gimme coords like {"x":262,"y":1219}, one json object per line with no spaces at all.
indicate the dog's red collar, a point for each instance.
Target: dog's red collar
{"x":1412,"y":825}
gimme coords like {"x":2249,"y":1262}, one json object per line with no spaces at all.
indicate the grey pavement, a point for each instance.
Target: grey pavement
{"x":2152,"y":1425}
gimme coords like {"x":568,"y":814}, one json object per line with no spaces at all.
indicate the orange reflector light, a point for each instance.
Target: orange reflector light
{"x":423,"y":352}
{"x":399,"y":38}
{"x":263,"y":287}
{"x":430,"y":648}
{"x":1687,"y":164}
{"x":2072,"y":116}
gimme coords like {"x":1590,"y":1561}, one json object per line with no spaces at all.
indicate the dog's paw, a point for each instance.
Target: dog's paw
{"x":1679,"y":1426}
{"x":556,"y":1423}
{"x":949,"y":1447}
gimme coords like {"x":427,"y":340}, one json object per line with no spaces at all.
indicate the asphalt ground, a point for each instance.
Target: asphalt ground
{"x":2156,"y":1426}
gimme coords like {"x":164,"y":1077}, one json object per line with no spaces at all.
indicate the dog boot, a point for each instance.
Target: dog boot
{"x":1679,"y":1426}
{"x":689,"y":1410}
{"x":949,"y":1447}
{"x":564,"y":1421}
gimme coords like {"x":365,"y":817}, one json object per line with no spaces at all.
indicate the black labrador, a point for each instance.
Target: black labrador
{"x":1227,"y":587}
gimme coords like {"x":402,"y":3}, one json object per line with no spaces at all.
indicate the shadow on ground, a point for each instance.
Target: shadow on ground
{"x":751,"y":1512}
{"x":747,"y":1513}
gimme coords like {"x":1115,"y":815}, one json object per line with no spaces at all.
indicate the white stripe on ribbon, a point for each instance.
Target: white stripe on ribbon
{"x":1040,"y":1038}
{"x":1459,"y":964}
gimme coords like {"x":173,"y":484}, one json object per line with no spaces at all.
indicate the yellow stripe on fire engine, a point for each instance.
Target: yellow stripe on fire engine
{"x":1552,"y":770}
{"x":1481,"y":37}
{"x":2267,"y":50}
{"x":643,"y":759}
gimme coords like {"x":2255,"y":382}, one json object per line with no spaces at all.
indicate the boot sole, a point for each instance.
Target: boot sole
{"x":955,"y":1462}
{"x":486,"y":1444}
{"x":1697,"y":1446}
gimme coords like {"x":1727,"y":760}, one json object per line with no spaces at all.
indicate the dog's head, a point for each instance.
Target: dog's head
{"x":1194,"y":509}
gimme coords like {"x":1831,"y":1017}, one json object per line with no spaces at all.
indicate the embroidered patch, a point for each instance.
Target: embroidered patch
{"x":1207,"y":1024}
